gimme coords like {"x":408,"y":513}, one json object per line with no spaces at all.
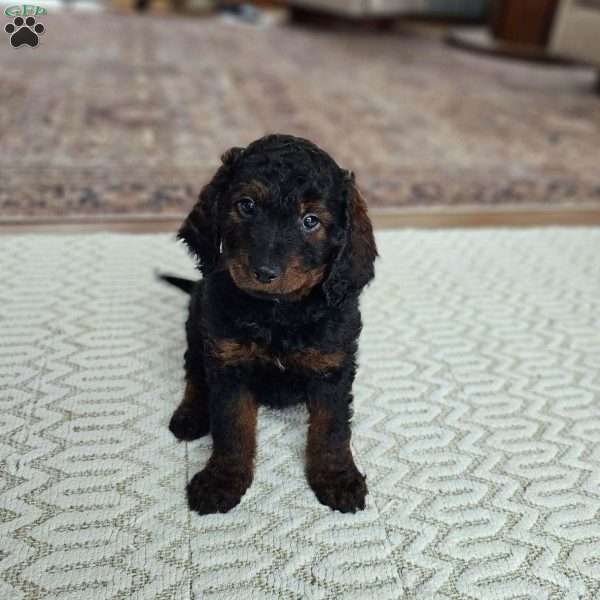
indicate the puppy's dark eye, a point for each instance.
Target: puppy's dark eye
{"x":246,"y":207}
{"x":310,"y":222}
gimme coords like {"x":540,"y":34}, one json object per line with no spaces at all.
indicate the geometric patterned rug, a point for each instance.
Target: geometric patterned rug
{"x":126,"y":115}
{"x":477,"y":422}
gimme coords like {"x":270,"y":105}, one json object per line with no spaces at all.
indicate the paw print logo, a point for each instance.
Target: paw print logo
{"x":24,"y":31}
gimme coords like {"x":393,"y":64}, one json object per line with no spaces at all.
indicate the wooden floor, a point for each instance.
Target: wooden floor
{"x":382,"y":219}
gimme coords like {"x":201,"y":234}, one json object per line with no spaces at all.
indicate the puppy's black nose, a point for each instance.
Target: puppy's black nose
{"x":267,"y":274}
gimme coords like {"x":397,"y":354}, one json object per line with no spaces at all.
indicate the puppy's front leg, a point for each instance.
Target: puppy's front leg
{"x":228,"y":474}
{"x":330,"y":467}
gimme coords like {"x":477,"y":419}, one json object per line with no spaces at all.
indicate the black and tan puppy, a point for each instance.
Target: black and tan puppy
{"x":285,"y":246}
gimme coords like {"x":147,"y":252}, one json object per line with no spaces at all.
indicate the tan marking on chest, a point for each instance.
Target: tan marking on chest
{"x":231,"y":352}
{"x":315,"y":360}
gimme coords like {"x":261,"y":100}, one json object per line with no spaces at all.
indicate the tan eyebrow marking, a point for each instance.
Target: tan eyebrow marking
{"x":255,"y":189}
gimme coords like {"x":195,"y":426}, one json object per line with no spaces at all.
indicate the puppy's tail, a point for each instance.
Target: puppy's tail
{"x":187,"y":285}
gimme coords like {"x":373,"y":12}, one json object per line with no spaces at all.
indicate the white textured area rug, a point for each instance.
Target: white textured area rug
{"x":477,"y":422}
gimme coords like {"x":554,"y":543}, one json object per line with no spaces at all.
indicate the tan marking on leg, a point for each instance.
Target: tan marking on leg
{"x":330,"y":467}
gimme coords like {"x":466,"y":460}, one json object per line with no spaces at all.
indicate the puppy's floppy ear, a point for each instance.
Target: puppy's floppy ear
{"x":353,"y":266}
{"x":200,"y":231}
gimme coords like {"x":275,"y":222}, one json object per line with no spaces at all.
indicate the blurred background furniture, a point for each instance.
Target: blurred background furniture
{"x":520,"y":29}
{"x":461,"y":10}
{"x":521,"y":22}
{"x":359,"y":8}
{"x":577,"y":30}
{"x":540,"y":30}
{"x":468,"y":9}
{"x":189,"y":6}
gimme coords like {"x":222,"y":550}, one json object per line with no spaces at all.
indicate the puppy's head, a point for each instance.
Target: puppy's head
{"x":282,"y":218}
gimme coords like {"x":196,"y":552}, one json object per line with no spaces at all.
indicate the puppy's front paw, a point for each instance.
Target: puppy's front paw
{"x":342,"y":490}
{"x":187,"y":426}
{"x":215,"y":490}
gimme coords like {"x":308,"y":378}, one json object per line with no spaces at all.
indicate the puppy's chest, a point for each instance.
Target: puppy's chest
{"x":287,"y":352}
{"x":273,"y":337}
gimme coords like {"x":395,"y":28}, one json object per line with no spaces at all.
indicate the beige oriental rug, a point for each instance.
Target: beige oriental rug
{"x":124,"y":115}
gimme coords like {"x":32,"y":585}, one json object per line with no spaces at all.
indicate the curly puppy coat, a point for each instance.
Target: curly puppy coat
{"x":285,"y":247}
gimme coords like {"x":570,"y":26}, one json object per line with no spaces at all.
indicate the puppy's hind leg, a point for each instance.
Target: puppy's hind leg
{"x":191,"y":419}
